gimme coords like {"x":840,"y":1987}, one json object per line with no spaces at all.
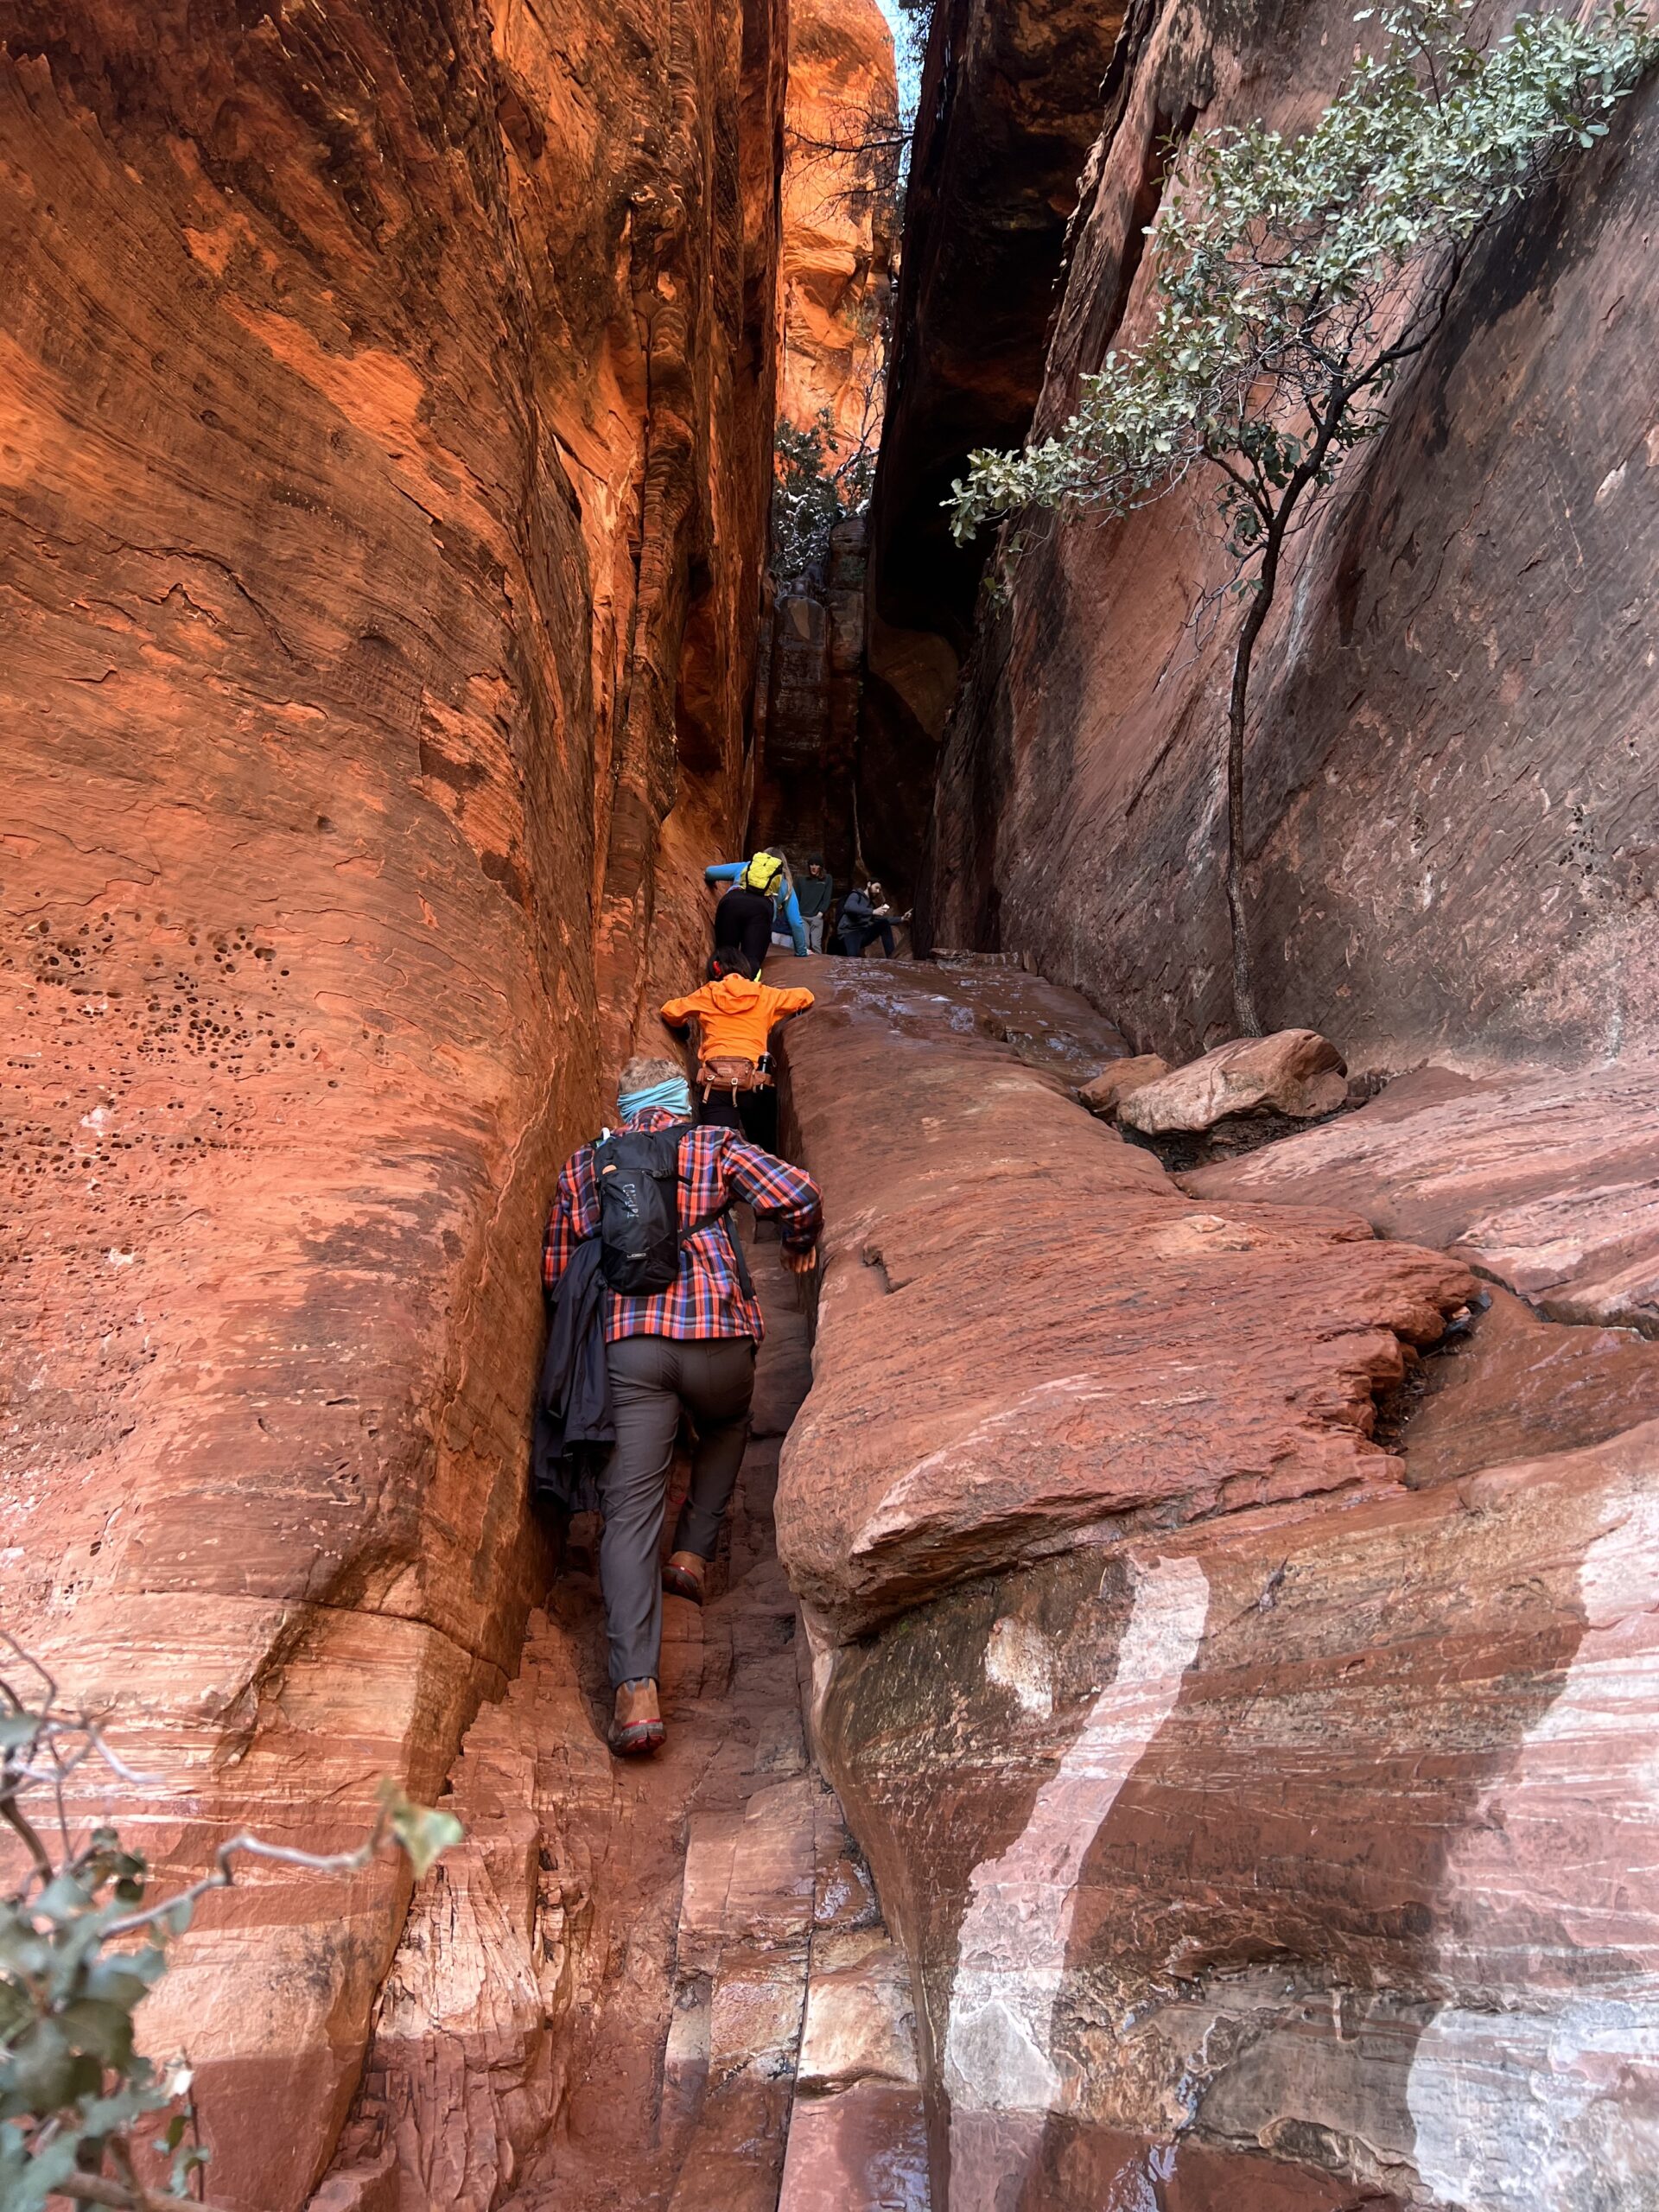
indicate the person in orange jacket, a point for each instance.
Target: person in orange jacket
{"x":735,"y":1016}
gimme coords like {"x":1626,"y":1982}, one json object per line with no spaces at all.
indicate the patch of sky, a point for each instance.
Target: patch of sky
{"x":909,"y":28}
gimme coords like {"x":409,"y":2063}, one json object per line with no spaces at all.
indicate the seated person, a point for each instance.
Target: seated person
{"x":866,"y":915}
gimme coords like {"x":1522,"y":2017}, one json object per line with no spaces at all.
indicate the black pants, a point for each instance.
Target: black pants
{"x":651,"y":1379}
{"x":752,"y":1113}
{"x":856,"y":934}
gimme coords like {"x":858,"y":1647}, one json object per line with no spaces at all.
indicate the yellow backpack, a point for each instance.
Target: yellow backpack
{"x":762,"y":872}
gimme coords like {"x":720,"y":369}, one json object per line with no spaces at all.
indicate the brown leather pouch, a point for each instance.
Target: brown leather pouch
{"x":726,"y":1073}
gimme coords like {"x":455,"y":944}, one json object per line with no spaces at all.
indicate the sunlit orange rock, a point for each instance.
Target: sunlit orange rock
{"x":841,"y":165}
{"x":385,"y":443}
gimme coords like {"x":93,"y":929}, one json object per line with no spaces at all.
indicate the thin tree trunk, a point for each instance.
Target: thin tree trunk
{"x":1247,"y":1020}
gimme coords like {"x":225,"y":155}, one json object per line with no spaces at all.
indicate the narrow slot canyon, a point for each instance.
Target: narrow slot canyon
{"x":1173,"y":1719}
{"x":650,"y":1984}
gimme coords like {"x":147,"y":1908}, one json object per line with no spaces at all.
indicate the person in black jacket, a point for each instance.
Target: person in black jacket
{"x":815,"y":893}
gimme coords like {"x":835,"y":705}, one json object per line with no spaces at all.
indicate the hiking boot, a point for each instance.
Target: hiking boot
{"x":686,"y":1575}
{"x":637,"y":1725}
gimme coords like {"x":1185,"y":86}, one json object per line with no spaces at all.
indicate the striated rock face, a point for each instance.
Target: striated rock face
{"x":1450,"y":801}
{"x":840,"y":164}
{"x":840,"y":217}
{"x":1265,"y":1835}
{"x":388,"y":394}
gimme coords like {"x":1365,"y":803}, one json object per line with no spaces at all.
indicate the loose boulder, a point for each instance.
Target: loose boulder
{"x":1114,"y":1083}
{"x":1295,"y":1071}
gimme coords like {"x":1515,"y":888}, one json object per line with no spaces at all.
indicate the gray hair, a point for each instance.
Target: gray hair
{"x":644,"y":1071}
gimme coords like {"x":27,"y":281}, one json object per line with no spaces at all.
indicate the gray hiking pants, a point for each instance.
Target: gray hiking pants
{"x":651,"y":1378}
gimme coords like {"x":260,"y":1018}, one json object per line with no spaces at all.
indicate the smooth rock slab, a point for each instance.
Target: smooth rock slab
{"x":1545,"y":1179}
{"x":1025,"y":1331}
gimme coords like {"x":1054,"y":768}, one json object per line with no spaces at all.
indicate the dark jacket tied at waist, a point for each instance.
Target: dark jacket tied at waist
{"x":575,"y":1425}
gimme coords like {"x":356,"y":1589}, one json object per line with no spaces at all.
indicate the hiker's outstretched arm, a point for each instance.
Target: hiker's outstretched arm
{"x":780,"y":1191}
{"x":724,"y":871}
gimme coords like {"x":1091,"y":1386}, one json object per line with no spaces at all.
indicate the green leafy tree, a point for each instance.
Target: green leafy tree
{"x":82,"y":1941}
{"x":1294,"y":279}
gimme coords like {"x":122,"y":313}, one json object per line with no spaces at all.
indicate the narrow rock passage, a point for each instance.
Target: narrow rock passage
{"x":601,"y":1999}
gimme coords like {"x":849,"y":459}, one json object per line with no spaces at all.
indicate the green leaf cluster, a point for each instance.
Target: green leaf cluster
{"x":70,"y":2078}
{"x":1293,"y":277}
{"x":80,"y":1949}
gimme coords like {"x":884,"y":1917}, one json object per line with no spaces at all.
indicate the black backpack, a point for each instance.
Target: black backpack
{"x":638,"y":1172}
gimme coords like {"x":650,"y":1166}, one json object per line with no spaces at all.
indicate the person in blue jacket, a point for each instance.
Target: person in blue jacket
{"x":769,"y":872}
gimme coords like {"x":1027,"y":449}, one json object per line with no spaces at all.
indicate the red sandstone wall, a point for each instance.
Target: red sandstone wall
{"x":384,"y":429}
{"x":839,"y":214}
{"x":841,"y":166}
{"x":1452,"y":810}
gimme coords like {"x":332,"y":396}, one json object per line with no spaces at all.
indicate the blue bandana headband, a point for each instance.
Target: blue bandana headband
{"x":673,"y":1097}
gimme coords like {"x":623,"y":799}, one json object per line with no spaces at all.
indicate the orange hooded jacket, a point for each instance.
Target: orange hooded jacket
{"x":737,"y":1015}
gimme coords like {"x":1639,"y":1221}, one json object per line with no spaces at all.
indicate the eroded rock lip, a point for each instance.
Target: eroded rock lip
{"x":1544,"y":1179}
{"x":1027,"y":1333}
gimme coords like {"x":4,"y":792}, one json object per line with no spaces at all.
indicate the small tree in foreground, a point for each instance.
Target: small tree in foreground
{"x":1293,"y":278}
{"x":81,"y":1942}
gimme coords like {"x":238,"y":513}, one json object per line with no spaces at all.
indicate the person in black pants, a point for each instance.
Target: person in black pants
{"x":687,"y":1348}
{"x":743,"y":930}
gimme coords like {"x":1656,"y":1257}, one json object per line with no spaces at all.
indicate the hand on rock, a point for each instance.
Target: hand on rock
{"x":801,"y":1263}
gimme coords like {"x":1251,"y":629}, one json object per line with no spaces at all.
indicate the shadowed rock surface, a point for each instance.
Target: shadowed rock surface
{"x":1450,"y":809}
{"x":1009,"y":103}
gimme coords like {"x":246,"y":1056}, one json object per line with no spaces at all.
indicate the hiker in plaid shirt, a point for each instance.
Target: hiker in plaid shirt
{"x":691,"y":1346}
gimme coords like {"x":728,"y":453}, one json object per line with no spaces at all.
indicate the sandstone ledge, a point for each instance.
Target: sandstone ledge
{"x":1027,"y":1332}
{"x":1288,"y":1858}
